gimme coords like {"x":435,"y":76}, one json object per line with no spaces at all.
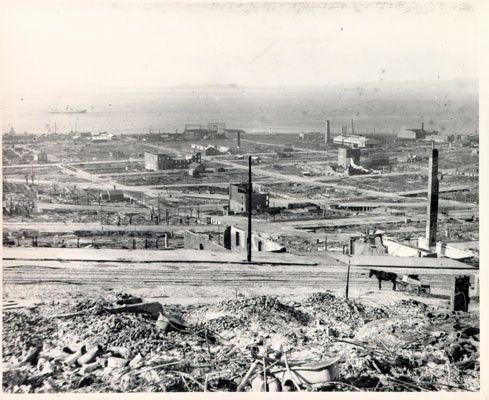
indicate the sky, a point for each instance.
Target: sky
{"x":81,"y":45}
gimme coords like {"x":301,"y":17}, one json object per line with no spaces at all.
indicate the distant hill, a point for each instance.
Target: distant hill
{"x":452,"y":87}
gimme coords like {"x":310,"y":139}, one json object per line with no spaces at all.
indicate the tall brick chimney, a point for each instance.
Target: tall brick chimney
{"x":327,"y":137}
{"x":433,"y":188}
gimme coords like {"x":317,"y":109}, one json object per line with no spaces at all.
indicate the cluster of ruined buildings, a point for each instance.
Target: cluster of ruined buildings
{"x":157,"y":161}
{"x":371,"y":244}
{"x":427,"y":246}
{"x":215,"y":130}
{"x":358,"y":154}
{"x":210,"y":131}
{"x":154,"y":161}
{"x":234,"y":238}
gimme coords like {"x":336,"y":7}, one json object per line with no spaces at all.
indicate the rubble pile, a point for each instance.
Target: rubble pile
{"x":415,"y":354}
{"x":100,"y":346}
{"x":342,"y":309}
{"x":265,"y":309}
{"x":410,"y":307}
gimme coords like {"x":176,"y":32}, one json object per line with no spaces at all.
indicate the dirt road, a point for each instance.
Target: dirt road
{"x":164,"y":275}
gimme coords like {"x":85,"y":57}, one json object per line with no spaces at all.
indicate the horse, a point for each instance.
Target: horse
{"x":384,"y":276}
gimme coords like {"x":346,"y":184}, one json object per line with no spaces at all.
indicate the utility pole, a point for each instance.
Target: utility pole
{"x":347,"y":280}
{"x":250,"y":197}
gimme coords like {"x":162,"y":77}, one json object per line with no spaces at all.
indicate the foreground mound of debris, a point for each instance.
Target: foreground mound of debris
{"x":320,"y":342}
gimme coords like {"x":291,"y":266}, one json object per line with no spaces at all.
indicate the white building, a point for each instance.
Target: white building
{"x":356,"y":141}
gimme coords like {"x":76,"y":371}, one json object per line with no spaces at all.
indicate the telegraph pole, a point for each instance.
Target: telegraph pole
{"x":250,"y":196}
{"x":347,"y":279}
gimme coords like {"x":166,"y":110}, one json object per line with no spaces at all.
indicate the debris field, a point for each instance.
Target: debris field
{"x":124,"y":344}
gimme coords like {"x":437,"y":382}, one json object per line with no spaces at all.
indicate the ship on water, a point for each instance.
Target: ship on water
{"x":68,"y":110}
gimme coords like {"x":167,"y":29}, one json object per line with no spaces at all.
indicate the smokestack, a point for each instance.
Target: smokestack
{"x":250,"y":199}
{"x":433,"y":187}
{"x":352,"y":127}
{"x":422,"y":126}
{"x":239,"y":140}
{"x":327,"y":138}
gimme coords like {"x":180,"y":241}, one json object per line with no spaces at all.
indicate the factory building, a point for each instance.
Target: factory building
{"x":415,"y":133}
{"x":212,"y":131}
{"x":355,"y":141}
{"x":374,"y":159}
{"x":412,"y":134}
{"x":346,"y":156}
{"x":239,"y":202}
{"x":158,"y":162}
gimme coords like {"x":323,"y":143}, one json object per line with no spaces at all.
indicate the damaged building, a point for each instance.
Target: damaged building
{"x":210,"y":149}
{"x":158,"y":162}
{"x":347,"y":156}
{"x":239,"y":199}
{"x":233,"y":239}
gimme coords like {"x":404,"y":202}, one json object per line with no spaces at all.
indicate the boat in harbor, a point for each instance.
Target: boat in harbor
{"x":68,"y":110}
